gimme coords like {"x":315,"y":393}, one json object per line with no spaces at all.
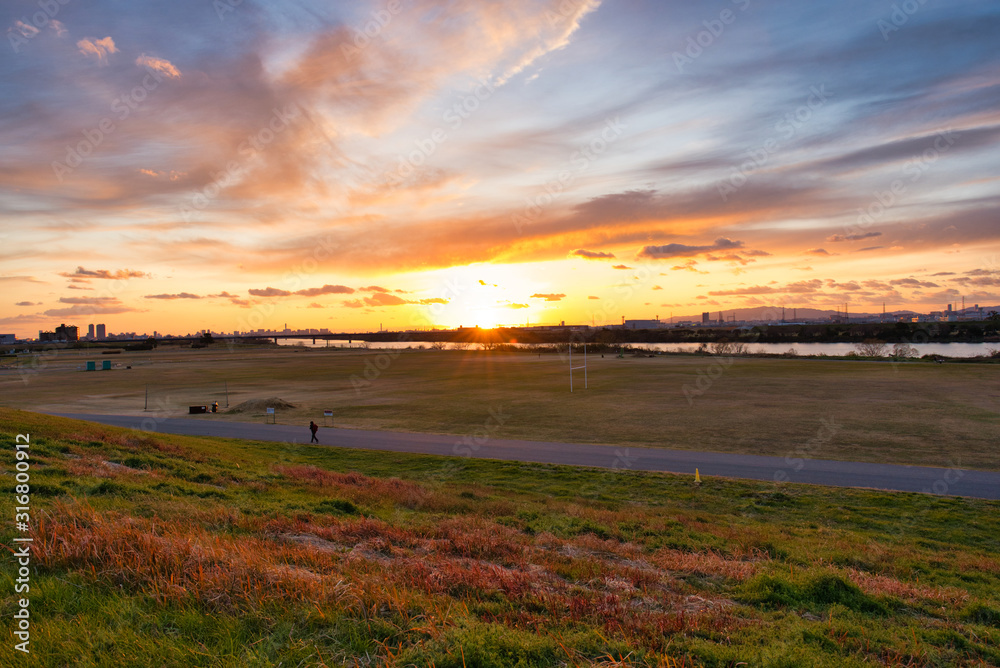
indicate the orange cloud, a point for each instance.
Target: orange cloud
{"x":98,"y":49}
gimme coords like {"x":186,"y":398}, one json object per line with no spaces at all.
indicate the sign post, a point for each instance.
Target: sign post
{"x":328,"y":418}
{"x":270,"y":416}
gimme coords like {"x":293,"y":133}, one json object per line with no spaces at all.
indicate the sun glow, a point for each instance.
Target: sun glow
{"x":482,"y":295}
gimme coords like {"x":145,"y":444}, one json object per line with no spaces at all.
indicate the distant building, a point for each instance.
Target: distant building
{"x":90,"y":331}
{"x":101,"y":332}
{"x":68,"y":333}
{"x":62,"y":333}
{"x":706,"y":318}
{"x":642,"y":324}
{"x":7,"y":338}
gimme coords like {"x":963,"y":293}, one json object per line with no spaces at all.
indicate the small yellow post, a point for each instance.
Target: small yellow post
{"x":697,"y":477}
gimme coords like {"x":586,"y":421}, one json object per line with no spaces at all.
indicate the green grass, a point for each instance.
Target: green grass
{"x":908,"y":413}
{"x":178,"y":551}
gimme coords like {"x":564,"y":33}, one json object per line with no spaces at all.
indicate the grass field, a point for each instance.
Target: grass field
{"x":177,"y":551}
{"x":911,"y":413}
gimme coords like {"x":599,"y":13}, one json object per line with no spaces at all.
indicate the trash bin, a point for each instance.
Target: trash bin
{"x":193,"y":410}
{"x":91,"y":366}
{"x":106,"y":365}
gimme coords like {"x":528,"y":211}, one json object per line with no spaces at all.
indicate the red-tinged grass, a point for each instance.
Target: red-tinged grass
{"x":178,"y":561}
{"x":881,"y":585}
{"x":131,"y":441}
{"x":368,"y":490}
{"x":358,"y":564}
{"x":318,"y":556}
{"x":97,"y":467}
{"x":709,"y":564}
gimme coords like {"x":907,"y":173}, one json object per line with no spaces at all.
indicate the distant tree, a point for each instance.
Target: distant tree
{"x":152,"y":343}
{"x":489,"y":339}
{"x":871,"y":348}
{"x":993,"y":316}
{"x":904,"y":351}
{"x":722,"y":347}
{"x":206,"y":339}
{"x":439,"y":345}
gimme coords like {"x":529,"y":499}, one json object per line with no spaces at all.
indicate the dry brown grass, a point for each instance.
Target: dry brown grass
{"x":353,"y":564}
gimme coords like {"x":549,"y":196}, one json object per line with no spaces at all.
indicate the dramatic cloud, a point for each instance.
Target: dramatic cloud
{"x":269,"y":292}
{"x":913,"y":283}
{"x":592,"y":255}
{"x":326,"y":290}
{"x":160,"y":65}
{"x":24,"y":29}
{"x":383,"y":299}
{"x":682,"y":250}
{"x":513,"y":139}
{"x":549,"y":297}
{"x":97,"y":49}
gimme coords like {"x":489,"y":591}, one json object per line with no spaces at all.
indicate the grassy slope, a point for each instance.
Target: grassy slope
{"x":162,"y":550}
{"x":910,"y":413}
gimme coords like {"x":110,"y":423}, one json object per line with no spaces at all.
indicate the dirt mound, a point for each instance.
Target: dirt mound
{"x":259,"y":405}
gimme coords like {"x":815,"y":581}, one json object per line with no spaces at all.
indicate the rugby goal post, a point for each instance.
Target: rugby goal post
{"x":577,"y":368}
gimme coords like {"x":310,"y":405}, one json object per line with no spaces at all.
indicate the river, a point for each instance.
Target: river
{"x":804,"y":349}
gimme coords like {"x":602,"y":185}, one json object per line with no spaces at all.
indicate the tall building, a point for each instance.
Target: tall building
{"x":90,"y":331}
{"x":101,"y":332}
{"x":67,"y":333}
{"x":706,"y":317}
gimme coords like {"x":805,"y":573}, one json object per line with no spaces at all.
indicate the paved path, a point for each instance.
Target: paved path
{"x":957,"y":482}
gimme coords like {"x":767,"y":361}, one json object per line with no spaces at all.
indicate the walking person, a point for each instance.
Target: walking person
{"x":313,"y":427}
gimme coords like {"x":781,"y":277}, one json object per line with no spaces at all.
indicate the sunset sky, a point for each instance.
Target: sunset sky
{"x":241,"y":165}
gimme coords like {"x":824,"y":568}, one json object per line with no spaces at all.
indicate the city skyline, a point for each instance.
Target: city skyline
{"x":414,"y":164}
